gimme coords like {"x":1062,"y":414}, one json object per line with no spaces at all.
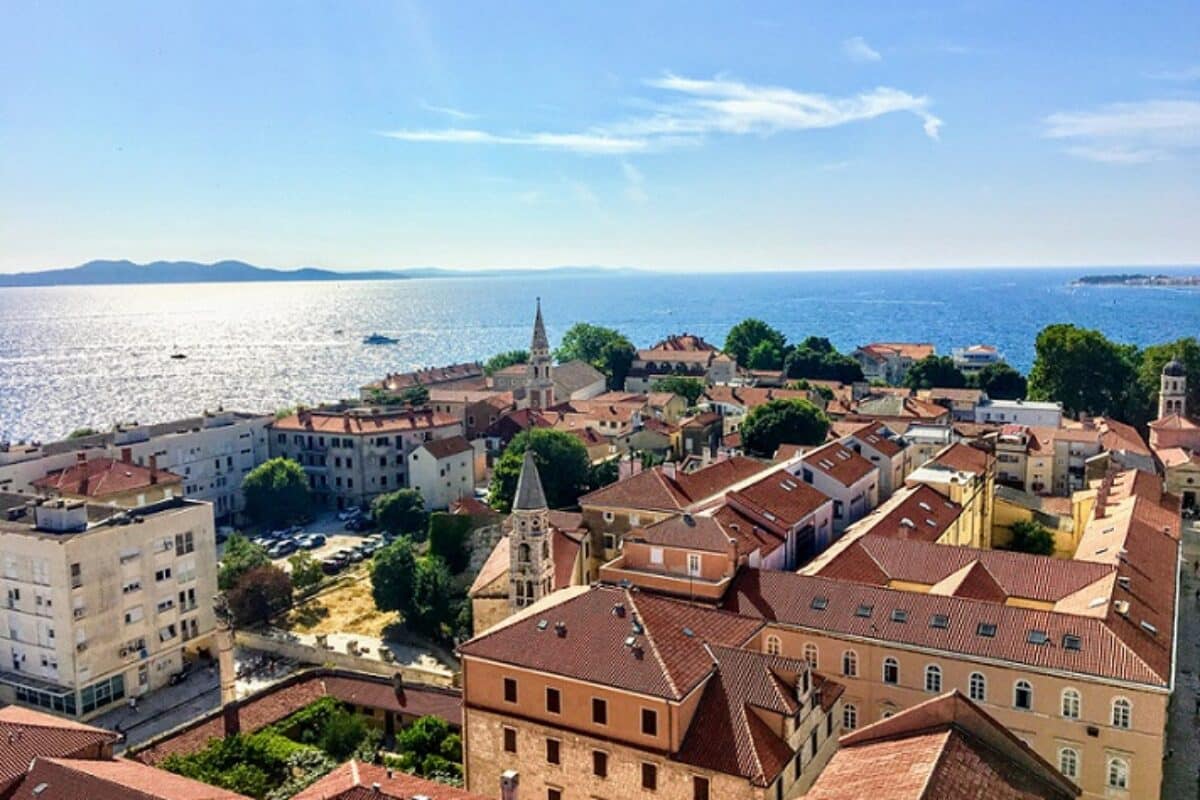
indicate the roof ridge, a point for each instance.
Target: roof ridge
{"x":654,"y":645}
{"x":753,"y":749}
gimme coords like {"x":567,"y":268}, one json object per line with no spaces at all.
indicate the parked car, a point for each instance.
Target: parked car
{"x":358,"y":524}
{"x":332,"y":565}
{"x":311,"y":541}
{"x":262,"y":541}
{"x":349,"y":514}
{"x":284,"y":547}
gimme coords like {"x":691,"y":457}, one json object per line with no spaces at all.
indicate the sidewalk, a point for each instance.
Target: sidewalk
{"x":164,"y":709}
{"x":1180,"y":771}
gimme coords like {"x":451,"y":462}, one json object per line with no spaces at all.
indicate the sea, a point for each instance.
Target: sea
{"x":76,"y":356}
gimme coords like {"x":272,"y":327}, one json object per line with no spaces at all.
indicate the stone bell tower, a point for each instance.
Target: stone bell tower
{"x":539,"y":380}
{"x":531,"y":561}
{"x":1172,"y":390}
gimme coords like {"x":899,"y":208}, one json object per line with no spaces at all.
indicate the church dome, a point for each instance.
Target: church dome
{"x":1174,"y":369}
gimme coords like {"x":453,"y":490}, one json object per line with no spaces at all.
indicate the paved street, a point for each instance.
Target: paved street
{"x":1181,"y":777}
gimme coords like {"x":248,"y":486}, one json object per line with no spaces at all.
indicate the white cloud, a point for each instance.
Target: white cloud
{"x":1185,"y":75}
{"x":1129,"y":133}
{"x":456,"y":113}
{"x":857,"y":50}
{"x":635,"y":183}
{"x":574,"y":142}
{"x":695,"y":108}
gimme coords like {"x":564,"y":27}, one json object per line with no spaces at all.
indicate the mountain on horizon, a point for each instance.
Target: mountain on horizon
{"x":100,"y":272}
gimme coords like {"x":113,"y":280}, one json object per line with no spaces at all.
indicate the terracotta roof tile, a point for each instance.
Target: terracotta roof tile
{"x":26,"y":734}
{"x":652,"y":489}
{"x":359,"y":424}
{"x":103,"y":477}
{"x":117,"y":779}
{"x":964,"y":458}
{"x":356,"y":780}
{"x":839,"y":462}
{"x":450,"y":446}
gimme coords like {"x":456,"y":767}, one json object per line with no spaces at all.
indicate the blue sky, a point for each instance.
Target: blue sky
{"x":686,"y":136}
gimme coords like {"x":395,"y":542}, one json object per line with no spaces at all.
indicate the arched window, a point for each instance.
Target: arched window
{"x":523,"y":553}
{"x":810,"y":654}
{"x":977,"y":687}
{"x":1068,"y":762}
{"x":1023,"y":696}
{"x":545,"y":549}
{"x":850,"y":664}
{"x":1122,"y":711}
{"x":933,"y":678}
{"x":891,"y":670}
{"x":1118,"y":773}
{"x":1070,"y":704}
{"x":849,"y":716}
{"x":774,"y":646}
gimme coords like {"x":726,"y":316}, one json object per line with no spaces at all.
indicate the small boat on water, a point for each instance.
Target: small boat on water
{"x":338,"y":332}
{"x":178,"y":356}
{"x":378,"y":338}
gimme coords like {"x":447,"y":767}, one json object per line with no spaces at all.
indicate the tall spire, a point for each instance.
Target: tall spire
{"x":540,"y":342}
{"x":530,"y":495}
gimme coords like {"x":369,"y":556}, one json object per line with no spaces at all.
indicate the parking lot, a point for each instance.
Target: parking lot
{"x":337,"y":540}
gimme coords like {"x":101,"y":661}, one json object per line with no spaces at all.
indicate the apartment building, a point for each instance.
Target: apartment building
{"x":353,"y":455}
{"x":1018,"y":412}
{"x":109,"y":481}
{"x":841,"y":474}
{"x":890,"y":361}
{"x":966,"y":476}
{"x":607,"y":693}
{"x":974,"y":358}
{"x":445,"y":470}
{"x":1076,"y":657}
{"x":685,"y":355}
{"x":880,"y":445}
{"x":211,"y":453}
{"x":101,"y":602}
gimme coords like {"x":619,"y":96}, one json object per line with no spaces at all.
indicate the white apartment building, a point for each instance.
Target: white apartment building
{"x":842,"y":475}
{"x":212,"y":452}
{"x":100,"y":603}
{"x":444,"y":470}
{"x":1019,"y":412}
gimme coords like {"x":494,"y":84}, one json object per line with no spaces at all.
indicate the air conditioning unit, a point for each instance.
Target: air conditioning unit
{"x":124,"y":652}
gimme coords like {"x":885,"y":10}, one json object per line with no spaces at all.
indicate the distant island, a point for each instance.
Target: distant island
{"x":1137,"y":279}
{"x":95,"y":273}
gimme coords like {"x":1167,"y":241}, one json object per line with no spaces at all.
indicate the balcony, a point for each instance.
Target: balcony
{"x":681,"y":585}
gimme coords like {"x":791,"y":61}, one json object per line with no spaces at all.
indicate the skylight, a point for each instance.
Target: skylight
{"x":1037,"y":637}
{"x":899,"y":615}
{"x":864,"y":610}
{"x":1072,"y":642}
{"x":986,"y":629}
{"x":939,"y":621}
{"x":820,"y":603}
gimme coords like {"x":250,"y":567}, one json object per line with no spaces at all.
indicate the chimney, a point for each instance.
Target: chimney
{"x":81,"y":462}
{"x":153,"y":470}
{"x":668,"y":469}
{"x":233,"y":721}
{"x":126,"y":455}
{"x":732,"y":552}
{"x":508,"y":784}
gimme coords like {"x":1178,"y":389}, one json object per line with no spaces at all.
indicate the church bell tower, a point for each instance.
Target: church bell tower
{"x":539,"y":380}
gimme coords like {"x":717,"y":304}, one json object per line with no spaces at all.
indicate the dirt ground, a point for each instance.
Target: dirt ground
{"x":346,"y":609}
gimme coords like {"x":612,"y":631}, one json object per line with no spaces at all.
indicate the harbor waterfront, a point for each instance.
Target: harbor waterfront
{"x":96,"y":355}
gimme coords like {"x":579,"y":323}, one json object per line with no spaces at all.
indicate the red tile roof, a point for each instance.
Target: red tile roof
{"x":1173,"y":422}
{"x":26,"y":734}
{"x":117,"y":779}
{"x":839,"y":462}
{"x":913,"y":512}
{"x":749,"y":397}
{"x":104,"y":477}
{"x":786,"y":598}
{"x":360,"y":424}
{"x":668,"y":658}
{"x":779,"y":500}
{"x":445,"y":448}
{"x":356,"y":780}
{"x":964,"y":458}
{"x":946,"y":747}
{"x":430,"y":376}
{"x":913,"y":350}
{"x":653,"y":490}
{"x":683,"y":342}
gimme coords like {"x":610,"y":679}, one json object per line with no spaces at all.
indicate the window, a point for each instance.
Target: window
{"x":1071,"y":642}
{"x":977,"y":687}
{"x":649,"y":722}
{"x":699,"y":788}
{"x":599,"y":711}
{"x":986,"y":629}
{"x":600,"y":763}
{"x":940,"y":621}
{"x":649,"y":776}
{"x":693,"y":564}
{"x":849,"y":716}
{"x":184,"y":543}
{"x":819,"y":603}
{"x":810,"y":654}
{"x":774,"y":646}
{"x":933,"y":678}
{"x":510,"y":740}
{"x":553,"y":700}
{"x":891,"y":671}
{"x":552,"y":756}
{"x":1118,"y":773}
{"x":1070,"y":704}
{"x":553,"y":794}
{"x":510,"y":690}
{"x":864,"y":611}
{"x":1122,"y":710}
{"x":850,"y":664}
{"x":1023,"y":696}
{"x":162,"y":574}
{"x":1068,"y":762}
{"x":656,"y":555}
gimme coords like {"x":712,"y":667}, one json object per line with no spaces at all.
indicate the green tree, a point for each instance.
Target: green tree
{"x":689,"y":389}
{"x":79,"y":433}
{"x":748,"y":334}
{"x":1150,"y":368}
{"x":606,"y":349}
{"x":505,"y":359}
{"x":276,"y":492}
{"x":816,"y":358}
{"x":306,"y":571}
{"x":401,"y":512}
{"x":415,"y":396}
{"x":259,"y":594}
{"x":432,"y":600}
{"x":562,"y":462}
{"x":1086,"y":372}
{"x":935,"y":372}
{"x":241,"y":555}
{"x":393,"y":574}
{"x":602,"y":474}
{"x":1000,"y":382}
{"x":783,"y":422}
{"x":450,"y":539}
{"x":424,"y":737}
{"x":1029,"y":536}
{"x":341,"y":735}
{"x":765,"y":355}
